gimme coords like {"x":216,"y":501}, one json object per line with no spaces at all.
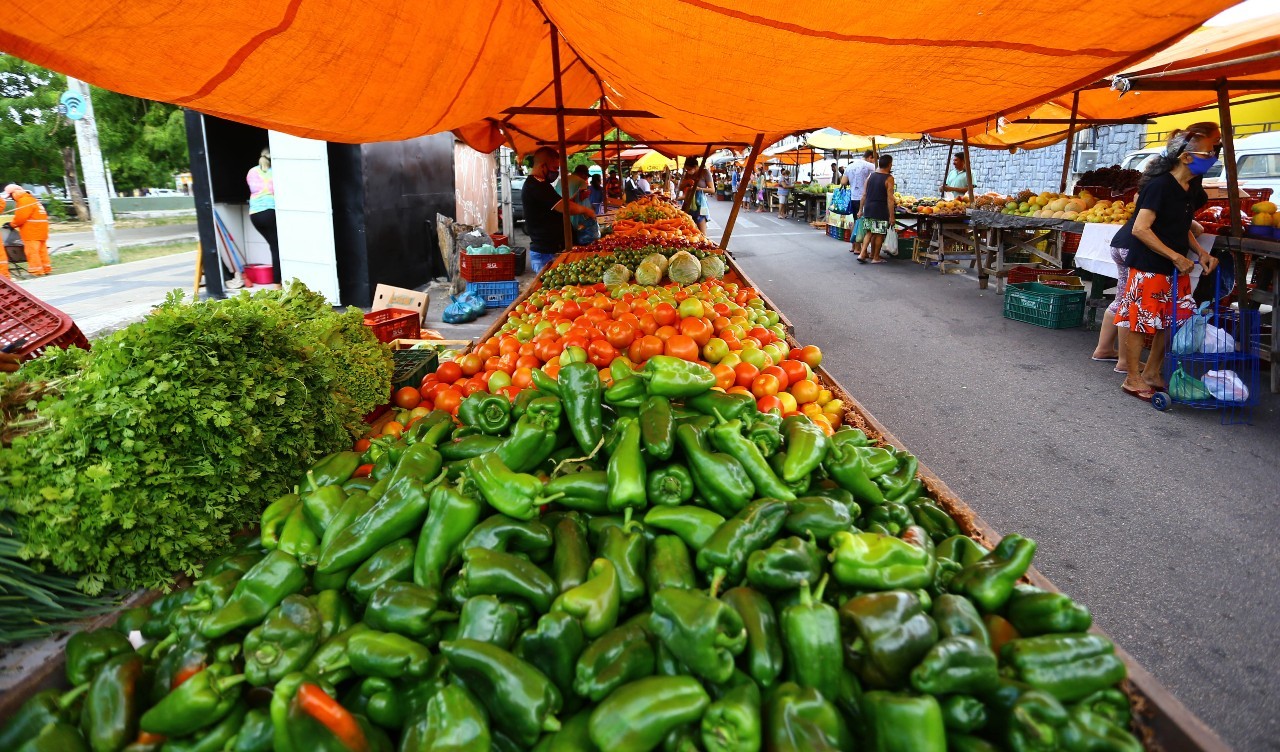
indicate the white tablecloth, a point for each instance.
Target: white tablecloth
{"x":1094,"y":253}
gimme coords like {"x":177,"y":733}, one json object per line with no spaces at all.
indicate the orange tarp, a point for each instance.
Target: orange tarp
{"x":384,"y":71}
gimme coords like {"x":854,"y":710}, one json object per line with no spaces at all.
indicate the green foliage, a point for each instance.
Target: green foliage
{"x":175,"y":432}
{"x":145,"y":142}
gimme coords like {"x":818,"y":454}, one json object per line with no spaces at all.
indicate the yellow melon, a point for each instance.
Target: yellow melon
{"x":1264,"y":219}
{"x":1264,"y":207}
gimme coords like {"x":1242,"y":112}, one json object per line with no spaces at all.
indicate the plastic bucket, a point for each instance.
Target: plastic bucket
{"x":260,"y":274}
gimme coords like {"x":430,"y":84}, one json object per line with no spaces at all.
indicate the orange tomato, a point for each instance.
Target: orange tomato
{"x":546,"y":349}
{"x":571,"y":309}
{"x":526,"y":348}
{"x":393,"y":428}
{"x":778,"y":374}
{"x":362,"y":446}
{"x":739,"y":390}
{"x":682,"y":346}
{"x":665,"y":314}
{"x":665,"y":333}
{"x":725,"y":377}
{"x":631,"y":319}
{"x":449,"y":372}
{"x":493,"y":364}
{"x":644,"y":348}
{"x":719,"y":323}
{"x":746,"y":374}
{"x":407,"y":398}
{"x":508,"y":344}
{"x":648,"y":324}
{"x":552,"y":368}
{"x":699,"y":330}
{"x":522,"y":377}
{"x":805,"y":391}
{"x":528,"y":361}
{"x":472,"y":363}
{"x":812,"y":355}
{"x":765,"y":385}
{"x":487,"y":350}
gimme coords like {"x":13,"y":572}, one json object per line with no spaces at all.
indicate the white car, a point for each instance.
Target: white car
{"x":1257,"y":163}
{"x":163,"y":192}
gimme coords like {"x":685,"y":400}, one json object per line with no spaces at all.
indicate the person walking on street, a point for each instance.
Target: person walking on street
{"x":32,"y":223}
{"x":543,"y":209}
{"x":877,"y":210}
{"x":761,"y":186}
{"x":784,"y":192}
{"x":855,"y":177}
{"x":696,"y":187}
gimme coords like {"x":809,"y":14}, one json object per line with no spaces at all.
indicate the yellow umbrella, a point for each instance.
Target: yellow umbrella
{"x":652,"y":162}
{"x":834,"y":140}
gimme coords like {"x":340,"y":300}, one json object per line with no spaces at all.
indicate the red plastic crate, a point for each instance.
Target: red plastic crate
{"x":1071,"y":241}
{"x":499,"y":267}
{"x":26,"y":319}
{"x":1020,"y":274}
{"x":1251,"y":197}
{"x":393,"y":323}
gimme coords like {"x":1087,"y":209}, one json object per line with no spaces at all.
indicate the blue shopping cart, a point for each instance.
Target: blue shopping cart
{"x":1212,"y":360}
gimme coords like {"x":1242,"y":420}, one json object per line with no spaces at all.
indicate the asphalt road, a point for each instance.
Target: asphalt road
{"x":1151,"y":519}
{"x":125,"y":236}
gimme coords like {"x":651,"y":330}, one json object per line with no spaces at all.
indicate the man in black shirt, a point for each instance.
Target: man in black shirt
{"x":543,"y":209}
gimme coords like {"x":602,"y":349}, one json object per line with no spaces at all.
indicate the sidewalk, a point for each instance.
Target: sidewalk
{"x":82,"y":240}
{"x":109,"y":297}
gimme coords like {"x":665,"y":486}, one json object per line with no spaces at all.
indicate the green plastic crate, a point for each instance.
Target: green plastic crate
{"x":411,"y":366}
{"x":1042,"y":305}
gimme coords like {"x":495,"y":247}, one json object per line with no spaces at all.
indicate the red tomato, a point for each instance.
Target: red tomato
{"x":765,"y":385}
{"x":665,"y":333}
{"x":571,"y":309}
{"x":522,"y":377}
{"x":493,"y":364}
{"x":796,"y":371}
{"x":363,"y":471}
{"x":644,"y":348}
{"x":361,"y":446}
{"x":528,"y":361}
{"x":648,"y":324}
{"x":619,"y":333}
{"x":725,"y":377}
{"x":431,"y":392}
{"x":699,"y":330}
{"x":746,"y":373}
{"x":682,"y":346}
{"x":546,"y":349}
{"x":665,"y":314}
{"x":474,"y":386}
{"x":601,"y":353}
{"x":510,"y":392}
{"x":449,"y":372}
{"x":407,"y":398}
{"x":778,"y":374}
{"x":764,"y":335}
{"x":769,"y":403}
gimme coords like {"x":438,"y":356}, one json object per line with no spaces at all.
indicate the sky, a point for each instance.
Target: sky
{"x":1244,"y":11}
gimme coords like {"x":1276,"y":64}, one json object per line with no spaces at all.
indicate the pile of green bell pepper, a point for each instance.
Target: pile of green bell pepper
{"x":655,"y":565}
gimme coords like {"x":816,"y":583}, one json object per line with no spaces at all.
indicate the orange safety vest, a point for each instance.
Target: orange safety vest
{"x":30,"y":218}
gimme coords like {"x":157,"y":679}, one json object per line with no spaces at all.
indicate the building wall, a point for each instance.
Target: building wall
{"x":919,"y":171}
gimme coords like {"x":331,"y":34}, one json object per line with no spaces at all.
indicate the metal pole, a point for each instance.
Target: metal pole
{"x":565,"y":199}
{"x":1233,"y":192}
{"x":1071,"y":142}
{"x":742,"y":190}
{"x":977,"y":245}
{"x":95,"y":177}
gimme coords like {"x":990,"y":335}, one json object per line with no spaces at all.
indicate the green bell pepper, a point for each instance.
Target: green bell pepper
{"x":888,"y":518}
{"x":674,"y":377}
{"x":1067,"y":666}
{"x":879,"y":562}
{"x":596,"y":602}
{"x":283,"y":643}
{"x":786,"y":565}
{"x":956,"y":616}
{"x":333,"y":470}
{"x":215,"y":738}
{"x":491,"y":413}
{"x":800,"y":719}
{"x":933,"y":518}
{"x":904,"y":723}
{"x":692,"y":524}
{"x":487,"y":619}
{"x":765,"y":431}
{"x":658,"y":427}
{"x":1024,"y":719}
{"x":55,"y":737}
{"x":763,"y":654}
{"x":453,"y":721}
{"x":727,"y":437}
{"x":554,"y":647}
{"x":585,"y":491}
{"x":261,"y":589}
{"x":334,"y":613}
{"x":405,"y":608}
{"x":958,"y":664}
{"x":393,"y":562}
{"x":451,"y":518}
{"x":331,"y":663}
{"x":387,"y":654}
{"x":44,"y":708}
{"x":818,"y":516}
{"x":699,"y":630}
{"x":398,"y":513}
{"x":806,"y":447}
{"x":847,"y":465}
{"x":721,"y":479}
{"x":517,"y":495}
{"x":501,"y":533}
{"x":521,"y":700}
{"x":725,"y":552}
{"x":322,"y":506}
{"x":625,"y":548}
{"x":626,"y":393}
{"x":669,"y":565}
{"x":638,"y":716}
{"x":621,"y":655}
{"x":533,"y":438}
{"x":114,"y":702}
{"x":670,"y":485}
{"x":1033,"y":611}
{"x":543,"y":382}
{"x":989,"y":581}
{"x":963,"y":713}
{"x":431,"y":429}
{"x":255,"y":734}
{"x":895,"y":482}
{"x":468,"y":447}
{"x":811,"y":638}
{"x":1088,"y":731}
{"x":1110,"y":703}
{"x":626,"y":470}
{"x":850,"y":436}
{"x":86,"y":652}
{"x":571,"y":563}
{"x":892,"y":633}
{"x":498,"y":573}
{"x":355,"y":505}
{"x":732,"y":722}
{"x":299,"y":539}
{"x":581,"y":394}
{"x":725,"y":407}
{"x":197,"y":703}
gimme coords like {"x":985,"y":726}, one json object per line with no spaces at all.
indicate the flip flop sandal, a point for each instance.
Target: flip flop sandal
{"x":861,"y":260}
{"x":1105,"y":360}
{"x":1143,"y":394}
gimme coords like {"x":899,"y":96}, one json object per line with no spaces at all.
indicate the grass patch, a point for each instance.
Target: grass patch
{"x":78,"y":261}
{"x":125,"y":222}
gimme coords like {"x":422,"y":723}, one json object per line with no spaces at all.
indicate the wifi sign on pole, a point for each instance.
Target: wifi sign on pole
{"x":73,"y":104}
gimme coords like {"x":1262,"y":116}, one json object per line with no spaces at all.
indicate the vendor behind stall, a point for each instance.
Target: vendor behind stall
{"x":957,"y":183}
{"x":543,"y":209}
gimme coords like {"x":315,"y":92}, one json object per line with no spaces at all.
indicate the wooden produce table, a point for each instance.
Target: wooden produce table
{"x":951,"y":241}
{"x":1262,"y":249}
{"x":1004,"y":233}
{"x":813,"y":205}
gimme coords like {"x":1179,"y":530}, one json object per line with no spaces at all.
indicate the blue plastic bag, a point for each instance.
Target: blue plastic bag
{"x":463,"y":308}
{"x":1190,"y":336}
{"x":841,"y":201}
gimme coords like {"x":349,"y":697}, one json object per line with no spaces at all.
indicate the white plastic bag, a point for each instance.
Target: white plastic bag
{"x":1226,"y":386}
{"x":891,"y":242}
{"x":1190,"y":335}
{"x":1218,"y":340}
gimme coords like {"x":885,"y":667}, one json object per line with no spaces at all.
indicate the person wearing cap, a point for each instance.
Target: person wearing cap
{"x":32,"y":223}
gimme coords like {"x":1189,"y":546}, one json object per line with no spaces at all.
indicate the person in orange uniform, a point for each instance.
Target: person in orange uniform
{"x":32,"y":222}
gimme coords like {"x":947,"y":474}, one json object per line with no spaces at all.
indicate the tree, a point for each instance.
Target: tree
{"x":145,"y":142}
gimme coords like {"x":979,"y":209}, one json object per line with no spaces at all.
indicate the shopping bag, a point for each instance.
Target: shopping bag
{"x":1226,"y":386}
{"x":891,"y":242}
{"x":458,"y":312}
{"x":1218,"y":340}
{"x":1184,"y":387}
{"x":859,"y":230}
{"x":1190,"y":336}
{"x":841,"y":200}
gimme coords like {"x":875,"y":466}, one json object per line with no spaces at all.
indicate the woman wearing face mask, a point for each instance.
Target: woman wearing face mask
{"x":1160,"y":238}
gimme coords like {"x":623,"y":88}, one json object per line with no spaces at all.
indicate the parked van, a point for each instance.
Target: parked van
{"x":1257,"y":163}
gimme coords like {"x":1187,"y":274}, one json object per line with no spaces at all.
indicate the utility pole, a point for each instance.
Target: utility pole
{"x":95,"y":177}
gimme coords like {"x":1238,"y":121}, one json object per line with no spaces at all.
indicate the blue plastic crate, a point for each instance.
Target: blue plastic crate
{"x":495,"y":294}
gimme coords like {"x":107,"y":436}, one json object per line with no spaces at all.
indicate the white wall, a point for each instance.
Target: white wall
{"x":304,"y":213}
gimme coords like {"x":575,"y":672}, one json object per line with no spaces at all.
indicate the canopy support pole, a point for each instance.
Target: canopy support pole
{"x":1233,"y":194}
{"x":973,"y":230}
{"x":951,"y":150}
{"x":742,"y":191}
{"x":617,"y":146}
{"x":1071,"y":142}
{"x":565,"y":199}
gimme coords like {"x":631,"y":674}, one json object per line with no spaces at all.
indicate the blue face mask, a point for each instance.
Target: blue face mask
{"x":1200,"y":165}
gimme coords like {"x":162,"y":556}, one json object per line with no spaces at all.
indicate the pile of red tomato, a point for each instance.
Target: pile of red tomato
{"x":723,"y":326}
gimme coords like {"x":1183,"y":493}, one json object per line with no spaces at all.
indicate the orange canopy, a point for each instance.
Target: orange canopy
{"x":1239,"y":50}
{"x":798,"y":156}
{"x":385,"y":71}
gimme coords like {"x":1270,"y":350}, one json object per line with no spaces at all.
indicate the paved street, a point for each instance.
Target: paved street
{"x":1151,"y":519}
{"x":125,"y":236}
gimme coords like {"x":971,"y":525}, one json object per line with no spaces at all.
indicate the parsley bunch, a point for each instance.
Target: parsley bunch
{"x":173,"y":433}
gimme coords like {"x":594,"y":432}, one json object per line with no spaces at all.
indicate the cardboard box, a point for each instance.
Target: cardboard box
{"x":386,"y":296}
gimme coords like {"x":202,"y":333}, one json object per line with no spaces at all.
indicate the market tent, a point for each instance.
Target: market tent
{"x":652,"y":161}
{"x":831,"y":139}
{"x":799,"y":156}
{"x":325,"y":69}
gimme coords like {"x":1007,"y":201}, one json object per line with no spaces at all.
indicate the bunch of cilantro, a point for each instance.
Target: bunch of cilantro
{"x":171,"y":434}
